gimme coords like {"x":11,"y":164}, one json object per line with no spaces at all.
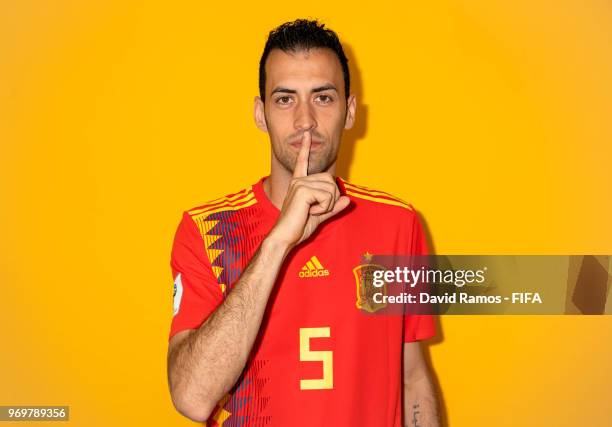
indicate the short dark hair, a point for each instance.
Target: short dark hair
{"x":298,"y":35}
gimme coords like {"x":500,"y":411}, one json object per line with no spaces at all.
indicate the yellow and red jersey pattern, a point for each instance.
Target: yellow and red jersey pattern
{"x":320,"y":358}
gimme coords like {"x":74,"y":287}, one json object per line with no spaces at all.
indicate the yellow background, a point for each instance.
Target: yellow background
{"x":492,"y":118}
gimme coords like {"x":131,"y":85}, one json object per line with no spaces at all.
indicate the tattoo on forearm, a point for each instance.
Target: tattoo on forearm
{"x":415,"y":412}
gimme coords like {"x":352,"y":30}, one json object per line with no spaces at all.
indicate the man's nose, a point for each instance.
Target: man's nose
{"x":304,"y":117}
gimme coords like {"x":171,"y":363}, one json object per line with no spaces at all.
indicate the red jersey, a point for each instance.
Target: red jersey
{"x":319,"y":360}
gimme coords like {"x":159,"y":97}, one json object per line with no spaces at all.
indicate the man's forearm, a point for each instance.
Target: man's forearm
{"x":420,"y":404}
{"x":205,"y":365}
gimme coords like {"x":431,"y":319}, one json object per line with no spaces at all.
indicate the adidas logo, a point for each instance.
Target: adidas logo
{"x":313,"y":268}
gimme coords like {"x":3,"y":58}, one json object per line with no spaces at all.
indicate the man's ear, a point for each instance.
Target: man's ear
{"x":350,"y":112}
{"x":259,"y":114}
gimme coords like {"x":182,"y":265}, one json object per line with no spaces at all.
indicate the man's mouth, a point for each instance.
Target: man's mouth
{"x":314,"y":144}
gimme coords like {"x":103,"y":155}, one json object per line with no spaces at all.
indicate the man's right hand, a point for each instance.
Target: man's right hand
{"x":310,"y":200}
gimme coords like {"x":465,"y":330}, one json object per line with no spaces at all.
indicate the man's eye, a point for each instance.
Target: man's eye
{"x":325,"y":99}
{"x":283,"y":100}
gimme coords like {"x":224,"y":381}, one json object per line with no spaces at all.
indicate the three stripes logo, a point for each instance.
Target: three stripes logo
{"x":313,"y":268}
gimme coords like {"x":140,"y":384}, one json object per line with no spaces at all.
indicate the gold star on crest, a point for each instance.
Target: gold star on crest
{"x":367,"y":256}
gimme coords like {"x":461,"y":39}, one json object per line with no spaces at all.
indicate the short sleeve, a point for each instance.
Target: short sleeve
{"x":418,"y":326}
{"x":196,"y":290}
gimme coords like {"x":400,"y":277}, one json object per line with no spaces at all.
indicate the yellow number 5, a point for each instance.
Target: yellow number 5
{"x":307,"y":355}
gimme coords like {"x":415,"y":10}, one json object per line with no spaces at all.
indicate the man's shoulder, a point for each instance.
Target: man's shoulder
{"x":382,"y":201}
{"x":229,"y":202}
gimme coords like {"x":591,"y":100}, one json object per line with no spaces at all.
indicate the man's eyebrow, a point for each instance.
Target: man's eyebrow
{"x":324,"y":87}
{"x":283,"y":90}
{"x":315,"y":90}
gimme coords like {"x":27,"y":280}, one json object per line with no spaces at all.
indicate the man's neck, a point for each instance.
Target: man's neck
{"x":277,"y":184}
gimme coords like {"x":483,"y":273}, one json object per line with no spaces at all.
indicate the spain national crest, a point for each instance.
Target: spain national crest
{"x":364,"y":281}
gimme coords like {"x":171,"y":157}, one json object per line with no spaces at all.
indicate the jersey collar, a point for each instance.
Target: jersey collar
{"x":324,"y":230}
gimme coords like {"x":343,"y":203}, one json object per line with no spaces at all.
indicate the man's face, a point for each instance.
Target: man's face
{"x":304,"y":92}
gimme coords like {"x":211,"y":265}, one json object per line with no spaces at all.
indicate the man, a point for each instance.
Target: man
{"x":267,"y":327}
